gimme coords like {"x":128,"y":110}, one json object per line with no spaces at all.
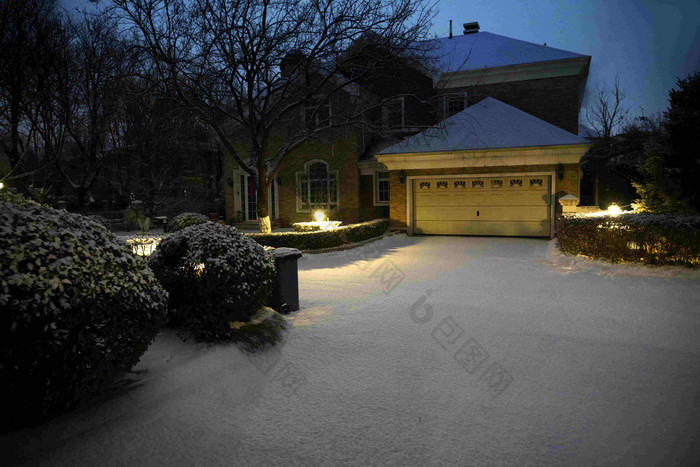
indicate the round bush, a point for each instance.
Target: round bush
{"x":78,"y":309}
{"x":100,"y":220}
{"x":187,"y":219}
{"x":215,"y":275}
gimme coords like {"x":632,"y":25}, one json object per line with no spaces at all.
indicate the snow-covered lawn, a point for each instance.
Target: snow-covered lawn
{"x":422,"y":351}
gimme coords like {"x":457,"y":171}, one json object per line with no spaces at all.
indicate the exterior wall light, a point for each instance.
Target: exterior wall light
{"x":560,"y":171}
{"x":402,"y":176}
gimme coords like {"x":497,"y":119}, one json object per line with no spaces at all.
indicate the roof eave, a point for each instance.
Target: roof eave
{"x":492,"y":157}
{"x":520,"y":72}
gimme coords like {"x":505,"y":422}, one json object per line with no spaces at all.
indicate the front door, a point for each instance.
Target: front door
{"x":248,"y":201}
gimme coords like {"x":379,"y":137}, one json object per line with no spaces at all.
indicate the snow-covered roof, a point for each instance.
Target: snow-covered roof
{"x":490,"y":124}
{"x":486,"y":50}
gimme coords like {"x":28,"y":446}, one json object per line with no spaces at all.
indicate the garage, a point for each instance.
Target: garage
{"x":512,"y":205}
{"x":490,"y":169}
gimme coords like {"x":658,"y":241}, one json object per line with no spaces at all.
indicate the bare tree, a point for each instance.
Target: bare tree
{"x":90,"y":99}
{"x":28,"y":29}
{"x":251,"y":68}
{"x":606,"y":114}
{"x":147,"y":136}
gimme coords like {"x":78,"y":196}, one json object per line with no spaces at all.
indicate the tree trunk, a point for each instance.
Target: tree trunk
{"x":80,"y":198}
{"x":14,"y":154}
{"x":264,"y":223}
{"x":261,"y":187}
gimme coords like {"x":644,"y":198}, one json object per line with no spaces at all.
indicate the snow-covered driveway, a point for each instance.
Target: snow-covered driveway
{"x":422,"y":351}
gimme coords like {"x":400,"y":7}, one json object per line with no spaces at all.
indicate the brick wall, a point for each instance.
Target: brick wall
{"x":341,"y":155}
{"x":554,"y":100}
{"x":368,"y":210}
{"x":568,"y":184}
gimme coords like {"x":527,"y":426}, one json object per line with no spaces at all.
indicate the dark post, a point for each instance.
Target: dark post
{"x":285,"y":291}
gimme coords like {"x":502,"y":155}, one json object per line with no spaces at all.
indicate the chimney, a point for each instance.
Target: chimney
{"x":450,"y":29}
{"x":471,"y":28}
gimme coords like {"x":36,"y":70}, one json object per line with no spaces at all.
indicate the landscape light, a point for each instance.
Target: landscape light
{"x":614,"y":210}
{"x":2,"y":185}
{"x":318,"y":215}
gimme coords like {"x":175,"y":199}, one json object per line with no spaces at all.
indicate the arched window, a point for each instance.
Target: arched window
{"x":317,"y":187}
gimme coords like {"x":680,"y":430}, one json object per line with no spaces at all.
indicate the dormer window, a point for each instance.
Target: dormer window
{"x":455,"y":103}
{"x":393,"y":113}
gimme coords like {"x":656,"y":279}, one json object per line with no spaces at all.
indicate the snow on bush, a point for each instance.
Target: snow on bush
{"x":17,"y":199}
{"x":324,"y":238}
{"x":215,"y":276}
{"x":78,"y":309}
{"x":187,"y":219}
{"x":648,"y":238}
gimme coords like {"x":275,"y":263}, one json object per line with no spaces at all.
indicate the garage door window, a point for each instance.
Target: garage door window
{"x":424,"y":186}
{"x":516,"y":183}
{"x":536,"y":182}
{"x":441,"y":185}
{"x":460,"y":185}
{"x":496,"y":183}
{"x":477,"y":183}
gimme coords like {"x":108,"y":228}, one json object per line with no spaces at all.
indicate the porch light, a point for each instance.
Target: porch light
{"x":318,"y":215}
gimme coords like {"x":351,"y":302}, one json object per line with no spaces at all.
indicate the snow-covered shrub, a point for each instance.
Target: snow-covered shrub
{"x":215,"y":276}
{"x":78,"y":309}
{"x":99,"y":219}
{"x":16,"y":198}
{"x":366,"y":230}
{"x":325,"y":238}
{"x":187,"y":219}
{"x":648,"y":238}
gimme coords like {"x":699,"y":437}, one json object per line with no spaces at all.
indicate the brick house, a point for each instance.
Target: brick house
{"x":506,"y":119}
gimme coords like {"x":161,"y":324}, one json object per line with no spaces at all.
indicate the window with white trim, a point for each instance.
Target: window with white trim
{"x":454,"y":103}
{"x":317,"y":188}
{"x":381,"y":188}
{"x":393,"y":113}
{"x":317,"y":115}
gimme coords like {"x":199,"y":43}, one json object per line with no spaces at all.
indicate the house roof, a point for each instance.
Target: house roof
{"x":489,"y":124}
{"x":587,"y":132}
{"x":486,"y":50}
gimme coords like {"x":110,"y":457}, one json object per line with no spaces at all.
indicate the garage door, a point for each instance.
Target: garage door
{"x":509,"y":206}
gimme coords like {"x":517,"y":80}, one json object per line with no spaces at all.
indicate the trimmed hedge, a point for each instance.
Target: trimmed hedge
{"x":215,"y":276}
{"x":187,"y":219}
{"x":324,"y":238}
{"x":314,"y":226}
{"x":78,"y":310}
{"x":647,"y":238}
